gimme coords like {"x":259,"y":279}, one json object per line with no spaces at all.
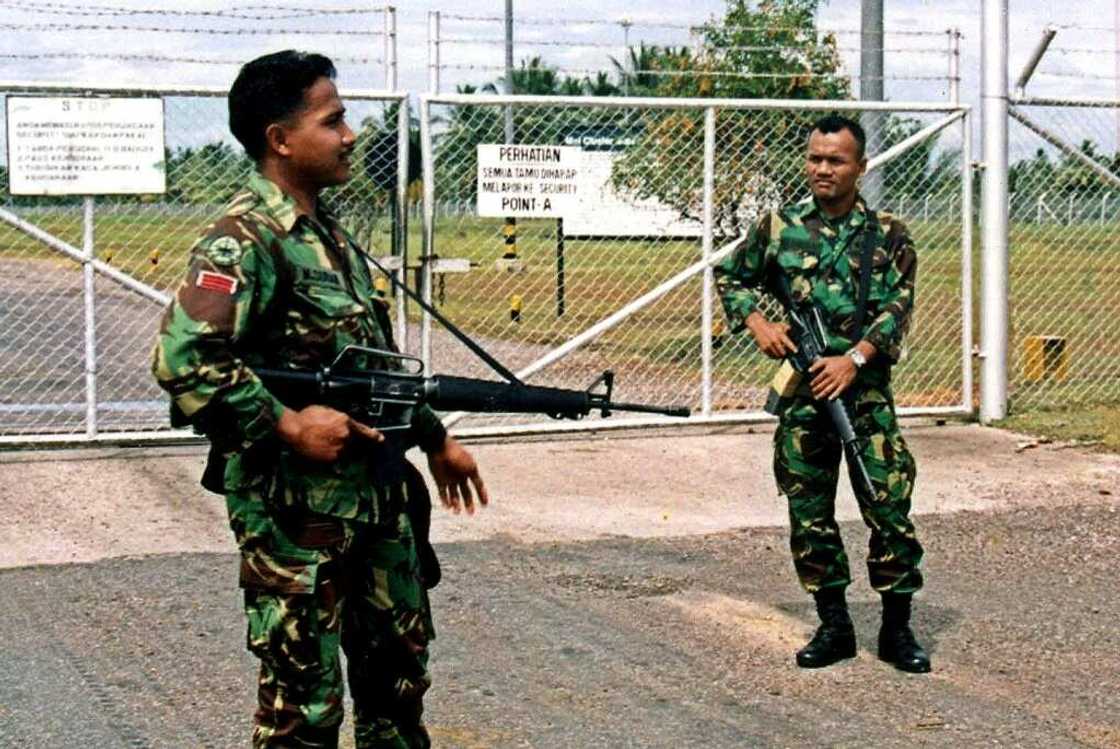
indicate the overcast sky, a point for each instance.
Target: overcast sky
{"x":559,"y":32}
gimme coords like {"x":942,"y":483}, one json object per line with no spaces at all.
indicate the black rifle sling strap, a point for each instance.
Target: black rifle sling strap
{"x":467,"y":341}
{"x":870,"y":224}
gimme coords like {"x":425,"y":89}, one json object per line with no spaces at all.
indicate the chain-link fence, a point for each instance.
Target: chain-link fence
{"x":75,"y":352}
{"x":1065,"y":216}
{"x":678,"y":180}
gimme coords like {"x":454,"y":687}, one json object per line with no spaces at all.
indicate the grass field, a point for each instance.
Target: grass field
{"x":1062,"y":285}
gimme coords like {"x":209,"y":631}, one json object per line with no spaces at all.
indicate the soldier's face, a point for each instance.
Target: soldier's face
{"x":833,"y":165}
{"x":320,"y":142}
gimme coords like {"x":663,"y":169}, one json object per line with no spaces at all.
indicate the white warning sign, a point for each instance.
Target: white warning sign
{"x":69,"y":145}
{"x":528,"y":181}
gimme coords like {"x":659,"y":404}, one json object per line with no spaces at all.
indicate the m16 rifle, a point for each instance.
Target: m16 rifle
{"x":378,"y":397}
{"x":808,"y":331}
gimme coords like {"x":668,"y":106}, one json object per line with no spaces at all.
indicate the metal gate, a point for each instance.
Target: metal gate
{"x":561,"y":304}
{"x":1064,"y":219}
{"x":83,"y":281}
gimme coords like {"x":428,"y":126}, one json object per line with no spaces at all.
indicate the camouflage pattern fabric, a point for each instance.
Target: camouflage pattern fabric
{"x":268,"y":286}
{"x":328,"y":554}
{"x":320,"y":584}
{"x":820,"y":257}
{"x":807,"y":463}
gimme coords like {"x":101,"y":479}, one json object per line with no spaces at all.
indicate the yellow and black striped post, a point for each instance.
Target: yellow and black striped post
{"x":509,"y":231}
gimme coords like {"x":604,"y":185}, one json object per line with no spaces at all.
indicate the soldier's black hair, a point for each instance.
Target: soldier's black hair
{"x":834,"y":123}
{"x":270,"y":89}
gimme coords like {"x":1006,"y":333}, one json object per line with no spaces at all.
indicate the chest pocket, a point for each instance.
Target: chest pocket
{"x":325,"y":315}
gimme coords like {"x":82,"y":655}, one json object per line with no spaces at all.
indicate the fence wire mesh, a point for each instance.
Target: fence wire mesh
{"x":645,"y":226}
{"x":1065,"y":214}
{"x":147,"y":237}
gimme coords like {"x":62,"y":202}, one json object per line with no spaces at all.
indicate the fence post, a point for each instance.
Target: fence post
{"x":433,"y":51}
{"x":967,"y":218}
{"x":402,"y":220}
{"x":994,"y":322}
{"x":428,"y":176}
{"x":706,"y":304}
{"x":89,"y":300}
{"x":390,"y":48}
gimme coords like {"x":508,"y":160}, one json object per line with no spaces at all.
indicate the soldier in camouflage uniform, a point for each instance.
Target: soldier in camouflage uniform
{"x":817,"y":245}
{"x":323,"y":508}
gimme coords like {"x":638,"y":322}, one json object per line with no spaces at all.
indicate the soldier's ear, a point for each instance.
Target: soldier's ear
{"x":276,"y":138}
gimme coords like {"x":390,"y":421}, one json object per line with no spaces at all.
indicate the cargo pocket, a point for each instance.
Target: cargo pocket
{"x":282,"y":612}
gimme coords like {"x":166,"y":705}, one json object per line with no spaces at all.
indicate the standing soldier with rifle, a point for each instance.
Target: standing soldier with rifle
{"x":330,"y":519}
{"x":845,"y":276}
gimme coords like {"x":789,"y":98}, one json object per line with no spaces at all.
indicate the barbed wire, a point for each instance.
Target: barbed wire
{"x":248,"y":12}
{"x":465,"y":41}
{"x":1082,"y":51}
{"x":1091,"y":76}
{"x":710,"y":74}
{"x":165,"y":30}
{"x":688,"y":26}
{"x":153,"y":58}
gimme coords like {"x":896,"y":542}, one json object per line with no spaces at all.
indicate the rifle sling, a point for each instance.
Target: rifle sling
{"x":869,"y":225}
{"x":467,"y":341}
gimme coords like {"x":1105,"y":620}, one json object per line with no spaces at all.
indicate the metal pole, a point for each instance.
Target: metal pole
{"x":509,"y":228}
{"x":428,"y":176}
{"x":89,"y":299}
{"x":1032,"y":62}
{"x":955,"y":65}
{"x":509,"y":69}
{"x":402,"y":221}
{"x":626,"y":23}
{"x":433,"y":51}
{"x":871,"y":89}
{"x":966,"y":264}
{"x":390,"y":48}
{"x":994,"y":265}
{"x":706,"y":292}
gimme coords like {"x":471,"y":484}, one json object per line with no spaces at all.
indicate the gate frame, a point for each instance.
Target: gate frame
{"x":954,"y":111}
{"x":91,"y":266}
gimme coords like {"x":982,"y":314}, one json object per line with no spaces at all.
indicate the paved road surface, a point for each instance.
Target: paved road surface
{"x":629,"y":592}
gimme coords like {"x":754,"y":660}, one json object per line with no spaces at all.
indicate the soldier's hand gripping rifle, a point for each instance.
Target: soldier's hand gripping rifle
{"x":807,"y":330}
{"x":379,"y":397}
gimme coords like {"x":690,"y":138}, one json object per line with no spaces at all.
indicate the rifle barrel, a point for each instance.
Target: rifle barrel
{"x":648,"y":409}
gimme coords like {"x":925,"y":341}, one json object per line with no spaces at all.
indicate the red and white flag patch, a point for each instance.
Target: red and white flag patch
{"x":220,"y":282}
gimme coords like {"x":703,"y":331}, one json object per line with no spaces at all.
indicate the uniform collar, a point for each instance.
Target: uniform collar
{"x":855,"y":219}
{"x":282,"y":206}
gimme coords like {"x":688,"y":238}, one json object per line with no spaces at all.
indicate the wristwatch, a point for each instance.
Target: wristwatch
{"x":856,"y":356}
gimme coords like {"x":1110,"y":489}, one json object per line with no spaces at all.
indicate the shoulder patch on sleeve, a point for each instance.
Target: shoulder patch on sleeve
{"x":222,"y":250}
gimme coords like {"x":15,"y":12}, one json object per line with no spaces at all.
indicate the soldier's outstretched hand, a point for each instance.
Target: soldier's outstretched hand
{"x":455,"y":471}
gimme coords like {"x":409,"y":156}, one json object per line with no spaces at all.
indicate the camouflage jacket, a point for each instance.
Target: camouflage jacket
{"x":269,"y":286}
{"x":821,"y":261}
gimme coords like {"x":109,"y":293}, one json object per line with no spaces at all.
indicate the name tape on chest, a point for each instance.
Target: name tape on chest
{"x":220,"y":282}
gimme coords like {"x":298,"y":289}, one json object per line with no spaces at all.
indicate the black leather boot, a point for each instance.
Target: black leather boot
{"x":897,"y":644}
{"x":835,"y":639}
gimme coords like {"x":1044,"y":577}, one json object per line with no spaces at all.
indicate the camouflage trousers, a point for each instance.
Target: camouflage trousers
{"x":323,"y":583}
{"x":807,"y":465}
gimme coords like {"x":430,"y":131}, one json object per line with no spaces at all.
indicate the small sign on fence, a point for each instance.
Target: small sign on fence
{"x":69,"y":145}
{"x":528,"y":181}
